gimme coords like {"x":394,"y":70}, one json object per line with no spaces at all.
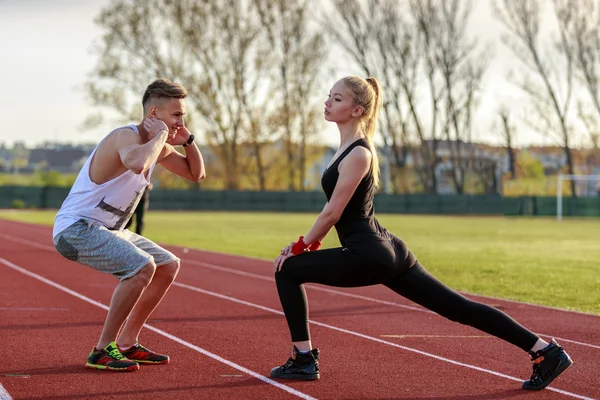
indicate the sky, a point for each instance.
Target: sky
{"x":46,"y":60}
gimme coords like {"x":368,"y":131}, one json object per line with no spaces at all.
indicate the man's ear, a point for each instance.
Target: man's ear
{"x":358,"y":111}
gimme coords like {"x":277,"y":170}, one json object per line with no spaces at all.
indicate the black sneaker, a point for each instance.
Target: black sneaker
{"x":548,"y":364}
{"x":304,"y":367}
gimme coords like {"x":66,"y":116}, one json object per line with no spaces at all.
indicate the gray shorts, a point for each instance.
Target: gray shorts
{"x":120,"y":253}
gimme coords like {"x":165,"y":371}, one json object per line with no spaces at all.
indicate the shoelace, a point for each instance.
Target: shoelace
{"x":116,"y":354}
{"x":289,"y":363}
{"x":536,"y":372}
{"x":537,"y":367}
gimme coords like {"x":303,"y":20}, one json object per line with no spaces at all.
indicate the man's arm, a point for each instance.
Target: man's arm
{"x":139,"y":157}
{"x":190,"y":165}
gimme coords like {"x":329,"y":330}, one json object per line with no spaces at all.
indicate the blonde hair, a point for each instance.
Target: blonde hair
{"x":162,"y":89}
{"x":367,"y":94}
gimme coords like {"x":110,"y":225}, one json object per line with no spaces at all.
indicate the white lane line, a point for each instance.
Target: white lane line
{"x":360,"y":297}
{"x":161,"y":332}
{"x":342,"y":293}
{"x":32,"y":309}
{"x":466,"y":293}
{"x":322,"y":289}
{"x":374,"y":339}
{"x":4,"y":395}
{"x":318,"y":288}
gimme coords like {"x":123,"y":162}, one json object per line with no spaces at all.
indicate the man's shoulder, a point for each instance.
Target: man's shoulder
{"x":123,"y":130}
{"x":125,"y":135}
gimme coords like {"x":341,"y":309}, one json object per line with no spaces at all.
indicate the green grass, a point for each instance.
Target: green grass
{"x":533,"y":260}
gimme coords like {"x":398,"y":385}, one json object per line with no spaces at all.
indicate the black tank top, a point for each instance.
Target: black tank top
{"x":358,"y":216}
{"x":358,"y":229}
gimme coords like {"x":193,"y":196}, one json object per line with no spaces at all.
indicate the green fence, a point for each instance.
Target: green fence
{"x":163,"y":199}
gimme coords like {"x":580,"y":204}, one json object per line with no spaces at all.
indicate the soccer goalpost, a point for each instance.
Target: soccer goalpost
{"x":587,"y":186}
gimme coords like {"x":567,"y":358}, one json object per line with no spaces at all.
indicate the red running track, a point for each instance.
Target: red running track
{"x":221,"y":323}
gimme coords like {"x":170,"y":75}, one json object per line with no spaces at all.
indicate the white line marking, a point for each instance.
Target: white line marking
{"x":374,"y":339}
{"x":161,"y":332}
{"x":319,"y":288}
{"x":356,"y":296}
{"x":467,"y":293}
{"x":32,"y":309}
{"x":269,"y":260}
{"x":27,"y":242}
{"x":333,"y":291}
{"x":569,"y":341}
{"x":4,"y":395}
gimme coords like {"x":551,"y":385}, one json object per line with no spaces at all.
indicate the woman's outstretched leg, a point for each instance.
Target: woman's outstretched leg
{"x":416,"y":284}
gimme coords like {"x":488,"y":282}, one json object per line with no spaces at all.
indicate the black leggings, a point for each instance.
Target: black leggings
{"x":342,"y":268}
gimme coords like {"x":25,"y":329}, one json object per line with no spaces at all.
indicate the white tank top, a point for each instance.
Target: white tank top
{"x":110,"y":204}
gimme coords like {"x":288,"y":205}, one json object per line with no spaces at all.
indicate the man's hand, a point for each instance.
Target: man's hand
{"x":180,"y":138}
{"x":153,"y":126}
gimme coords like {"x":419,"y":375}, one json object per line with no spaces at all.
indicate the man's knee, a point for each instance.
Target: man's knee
{"x":169,"y":270}
{"x":145,"y":275}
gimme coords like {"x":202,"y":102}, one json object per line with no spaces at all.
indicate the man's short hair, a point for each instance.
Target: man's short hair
{"x":163,"y":88}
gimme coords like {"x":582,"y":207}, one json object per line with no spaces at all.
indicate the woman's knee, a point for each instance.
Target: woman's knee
{"x":286,"y":272}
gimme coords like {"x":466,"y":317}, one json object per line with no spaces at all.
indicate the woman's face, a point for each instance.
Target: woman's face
{"x":339,"y":106}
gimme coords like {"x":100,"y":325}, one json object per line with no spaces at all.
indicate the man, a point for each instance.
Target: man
{"x":89,"y":227}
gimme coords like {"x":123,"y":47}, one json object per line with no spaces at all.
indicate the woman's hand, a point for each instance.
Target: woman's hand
{"x":286,"y":253}
{"x":280,"y":260}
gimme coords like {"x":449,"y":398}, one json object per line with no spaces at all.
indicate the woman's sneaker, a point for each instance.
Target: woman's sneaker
{"x":110,"y":359}
{"x":299,"y":366}
{"x":142,"y":355}
{"x":548,"y":364}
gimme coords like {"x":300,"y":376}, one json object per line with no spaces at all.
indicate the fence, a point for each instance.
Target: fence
{"x":163,"y":199}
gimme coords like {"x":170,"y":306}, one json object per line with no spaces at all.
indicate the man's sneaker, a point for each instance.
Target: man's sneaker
{"x":548,"y":363}
{"x":299,"y":366}
{"x":142,"y":355}
{"x":110,"y":359}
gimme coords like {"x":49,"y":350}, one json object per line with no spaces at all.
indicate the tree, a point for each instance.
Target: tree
{"x":297,"y":51}
{"x":549,"y":84}
{"x":419,"y":56}
{"x":378,"y":39}
{"x":211,"y":47}
{"x":462,"y":70}
{"x":580,"y":20}
{"x":508,"y":134}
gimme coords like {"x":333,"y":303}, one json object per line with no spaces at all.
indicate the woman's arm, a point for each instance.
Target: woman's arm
{"x":351,"y":171}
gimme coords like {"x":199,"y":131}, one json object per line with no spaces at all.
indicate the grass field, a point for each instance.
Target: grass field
{"x":533,"y":260}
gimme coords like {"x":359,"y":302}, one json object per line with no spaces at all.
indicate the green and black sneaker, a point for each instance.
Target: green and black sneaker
{"x":143,"y":355}
{"x":110,"y":359}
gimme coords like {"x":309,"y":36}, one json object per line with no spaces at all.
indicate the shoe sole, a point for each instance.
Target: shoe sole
{"x":561,"y":368}
{"x":107,"y":368}
{"x":297,"y":377}
{"x":147,"y":362}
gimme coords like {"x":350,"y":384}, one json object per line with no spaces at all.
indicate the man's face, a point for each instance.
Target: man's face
{"x":171,"y":112}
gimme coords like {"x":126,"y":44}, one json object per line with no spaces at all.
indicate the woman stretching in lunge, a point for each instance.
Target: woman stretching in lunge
{"x":371,"y":255}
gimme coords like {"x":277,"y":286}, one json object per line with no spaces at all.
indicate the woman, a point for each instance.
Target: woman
{"x":371,"y":255}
